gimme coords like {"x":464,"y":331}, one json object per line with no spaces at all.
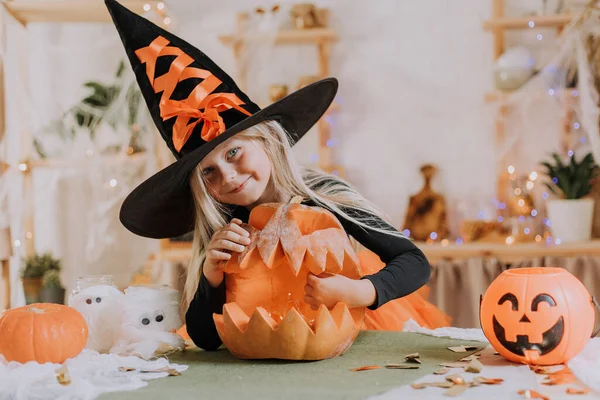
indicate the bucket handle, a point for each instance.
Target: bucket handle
{"x":595,"y":333}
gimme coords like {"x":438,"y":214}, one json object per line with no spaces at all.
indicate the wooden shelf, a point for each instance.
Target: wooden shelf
{"x":500,"y":95}
{"x":543,"y":21}
{"x":291,"y":36}
{"x":508,"y":253}
{"x":67,"y":11}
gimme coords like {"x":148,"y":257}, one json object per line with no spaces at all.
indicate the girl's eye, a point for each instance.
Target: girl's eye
{"x":233,"y":152}
{"x":206,"y":171}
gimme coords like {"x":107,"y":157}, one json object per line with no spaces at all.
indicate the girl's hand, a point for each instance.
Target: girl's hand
{"x":329,"y":289}
{"x":231,"y":237}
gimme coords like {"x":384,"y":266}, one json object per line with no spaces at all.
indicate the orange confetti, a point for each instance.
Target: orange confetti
{"x":532,"y":394}
{"x":365,"y":368}
{"x":489,"y":381}
{"x":577,"y":391}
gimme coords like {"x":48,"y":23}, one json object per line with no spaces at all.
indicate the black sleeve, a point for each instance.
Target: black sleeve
{"x":406,"y":267}
{"x":199,"y":316}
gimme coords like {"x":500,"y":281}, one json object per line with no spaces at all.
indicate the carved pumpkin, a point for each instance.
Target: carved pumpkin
{"x":42,"y":332}
{"x":265,"y":315}
{"x":541,"y":316}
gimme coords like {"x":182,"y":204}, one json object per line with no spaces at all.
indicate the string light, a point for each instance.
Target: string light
{"x":527,"y":231}
{"x":167,"y":21}
{"x":160,"y":6}
{"x":17,"y":243}
{"x":500,"y":218}
{"x":406,"y":232}
{"x":521,"y":202}
{"x":538,"y":238}
{"x":575,"y":93}
{"x":558,"y":241}
{"x":529,"y":185}
{"x":510,"y":240}
{"x":112,"y":182}
{"x":549,"y":239}
{"x":570,"y":153}
{"x":533,"y":176}
{"x":314,"y":158}
{"x":582,"y":140}
{"x":551,"y":92}
{"x":29,"y":235}
{"x":545,"y":195}
{"x":517,"y":191}
{"x":534,"y":213}
{"x":147,"y":7}
{"x":23,"y":167}
{"x":547,"y":222}
{"x":445,"y":242}
{"x":531,"y":24}
{"x":433,"y":235}
{"x":511,"y":169}
{"x":459,"y":241}
{"x":555,"y":180}
{"x":539,"y":36}
{"x":576,"y":125}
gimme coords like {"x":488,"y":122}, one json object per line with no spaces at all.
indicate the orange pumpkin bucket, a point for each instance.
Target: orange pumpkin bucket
{"x":539,"y":316}
{"x":265,"y":315}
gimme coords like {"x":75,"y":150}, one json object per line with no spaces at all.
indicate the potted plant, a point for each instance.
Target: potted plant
{"x":52,"y":290}
{"x":571,"y":212}
{"x":33,"y":273}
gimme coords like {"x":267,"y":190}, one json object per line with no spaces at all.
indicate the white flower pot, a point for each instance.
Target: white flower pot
{"x":571,"y":220}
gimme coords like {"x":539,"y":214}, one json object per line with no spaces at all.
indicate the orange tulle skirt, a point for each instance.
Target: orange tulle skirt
{"x":392,"y":315}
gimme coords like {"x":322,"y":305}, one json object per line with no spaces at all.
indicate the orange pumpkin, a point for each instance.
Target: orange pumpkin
{"x":42,"y":332}
{"x":540,"y":316}
{"x":265,"y":315}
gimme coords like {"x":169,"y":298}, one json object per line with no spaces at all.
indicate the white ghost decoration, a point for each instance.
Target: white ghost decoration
{"x":149,"y":318}
{"x":101,"y":307}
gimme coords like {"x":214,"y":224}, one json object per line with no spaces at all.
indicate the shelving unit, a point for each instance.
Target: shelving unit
{"x":26,"y":12}
{"x":323,"y":39}
{"x":497,"y":25}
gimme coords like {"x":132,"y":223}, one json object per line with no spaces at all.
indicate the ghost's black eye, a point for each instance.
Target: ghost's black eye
{"x":146,"y":321}
{"x":98,"y":299}
{"x":89,"y":301}
{"x":159,"y":318}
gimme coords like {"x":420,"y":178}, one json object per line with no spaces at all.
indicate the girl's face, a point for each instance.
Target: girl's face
{"x":238,"y":172}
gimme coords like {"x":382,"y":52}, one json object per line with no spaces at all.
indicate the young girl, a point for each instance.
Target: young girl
{"x":231,"y":156}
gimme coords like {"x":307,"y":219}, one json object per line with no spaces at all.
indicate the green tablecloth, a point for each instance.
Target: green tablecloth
{"x":219,"y":375}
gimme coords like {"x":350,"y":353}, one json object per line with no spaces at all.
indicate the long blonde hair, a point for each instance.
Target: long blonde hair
{"x":288,"y":180}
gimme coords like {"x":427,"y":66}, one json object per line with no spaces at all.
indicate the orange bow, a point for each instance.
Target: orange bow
{"x":201,"y":98}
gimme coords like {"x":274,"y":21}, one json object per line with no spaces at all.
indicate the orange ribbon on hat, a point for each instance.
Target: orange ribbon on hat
{"x":202,"y":103}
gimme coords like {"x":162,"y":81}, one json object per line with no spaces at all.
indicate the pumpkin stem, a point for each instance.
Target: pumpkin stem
{"x":296,"y":200}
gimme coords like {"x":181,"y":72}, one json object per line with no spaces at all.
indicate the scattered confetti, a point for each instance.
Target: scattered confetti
{"x":126,"y":369}
{"x":489,"y":381}
{"x":456,"y":379}
{"x":532,"y":394}
{"x":414,"y":358}
{"x":402,"y":366}
{"x":462,"y":349}
{"x":578,"y":391}
{"x":454,"y":364}
{"x":435,"y":384}
{"x":456,"y":390}
{"x":365,"y":368}
{"x":441,"y":371}
{"x":474,"y":366}
{"x":62,"y":375}
{"x":470,"y":358}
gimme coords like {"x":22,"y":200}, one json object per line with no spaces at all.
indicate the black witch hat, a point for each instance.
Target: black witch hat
{"x":195,"y":106}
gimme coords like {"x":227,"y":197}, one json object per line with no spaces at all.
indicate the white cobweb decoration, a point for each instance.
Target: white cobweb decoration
{"x":536,"y":109}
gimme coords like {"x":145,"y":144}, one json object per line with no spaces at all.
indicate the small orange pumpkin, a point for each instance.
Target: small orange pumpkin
{"x":42,"y":332}
{"x":265,"y":315}
{"x":540,"y":316}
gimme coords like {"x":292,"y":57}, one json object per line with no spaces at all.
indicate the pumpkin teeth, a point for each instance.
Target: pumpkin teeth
{"x":260,"y":336}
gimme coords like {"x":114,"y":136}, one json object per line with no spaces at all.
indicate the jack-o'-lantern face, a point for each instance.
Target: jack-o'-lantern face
{"x":265,"y":315}
{"x":530,"y":319}
{"x":538,"y":316}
